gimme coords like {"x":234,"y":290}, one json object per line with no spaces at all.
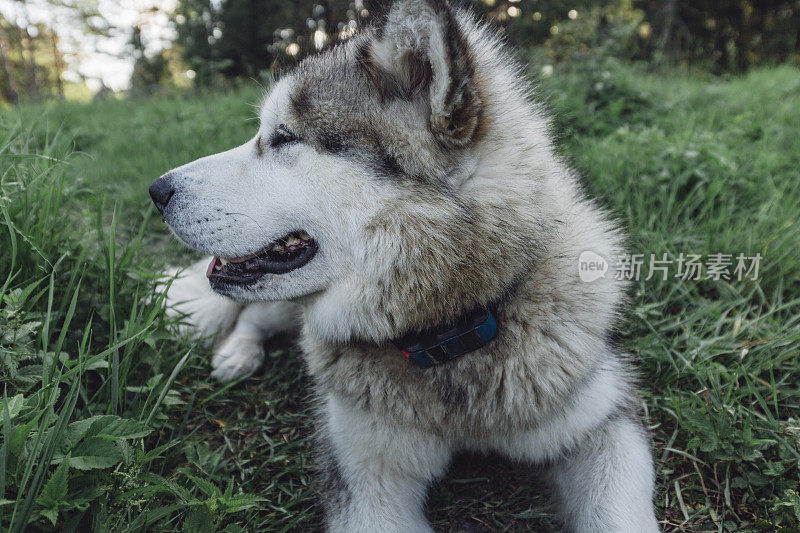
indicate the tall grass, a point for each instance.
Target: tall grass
{"x":81,"y":329}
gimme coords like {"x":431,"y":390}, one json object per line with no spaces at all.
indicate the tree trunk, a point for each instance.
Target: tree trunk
{"x":666,"y":33}
{"x":57,"y":63}
{"x":30,"y":65}
{"x":13,"y":94}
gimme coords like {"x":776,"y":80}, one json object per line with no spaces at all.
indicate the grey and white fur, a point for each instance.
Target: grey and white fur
{"x":426,"y":174}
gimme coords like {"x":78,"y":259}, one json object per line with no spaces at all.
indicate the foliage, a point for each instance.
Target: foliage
{"x":721,"y":36}
{"x":248,"y":39}
{"x":150,"y":73}
{"x":726,"y":36}
{"x":237,"y":38}
{"x":686,"y":164}
{"x":30,"y":63}
{"x":82,"y":339}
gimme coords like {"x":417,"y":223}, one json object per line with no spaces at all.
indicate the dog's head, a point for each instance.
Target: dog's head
{"x":370,"y":192}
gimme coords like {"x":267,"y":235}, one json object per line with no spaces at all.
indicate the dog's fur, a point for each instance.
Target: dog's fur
{"x":428,"y":178}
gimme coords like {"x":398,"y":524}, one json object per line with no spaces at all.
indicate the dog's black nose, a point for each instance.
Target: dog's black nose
{"x":161,"y":192}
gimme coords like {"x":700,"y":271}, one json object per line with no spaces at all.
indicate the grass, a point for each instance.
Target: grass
{"x":109,"y":421}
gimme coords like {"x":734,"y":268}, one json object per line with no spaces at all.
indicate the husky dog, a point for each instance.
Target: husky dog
{"x":401,"y":185}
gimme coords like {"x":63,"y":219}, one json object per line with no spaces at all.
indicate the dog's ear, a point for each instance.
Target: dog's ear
{"x":419,"y":51}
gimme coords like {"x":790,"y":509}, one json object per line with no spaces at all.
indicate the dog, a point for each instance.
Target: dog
{"x":402,"y":206}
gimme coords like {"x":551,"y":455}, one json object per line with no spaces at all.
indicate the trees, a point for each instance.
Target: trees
{"x":235,"y":38}
{"x":733,"y":35}
{"x":31,"y":54}
{"x":31,"y":64}
{"x":228,"y":39}
{"x":149,"y":72}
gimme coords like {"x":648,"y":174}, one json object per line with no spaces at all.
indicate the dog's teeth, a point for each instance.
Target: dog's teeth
{"x":291,"y":241}
{"x":305,"y":236}
{"x":277,"y":248}
{"x":223,"y":261}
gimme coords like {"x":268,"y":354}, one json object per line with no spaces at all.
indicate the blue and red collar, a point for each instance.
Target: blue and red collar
{"x":440,"y":345}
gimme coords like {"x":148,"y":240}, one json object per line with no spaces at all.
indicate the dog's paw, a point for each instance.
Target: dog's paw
{"x":201,"y":312}
{"x":237,"y":357}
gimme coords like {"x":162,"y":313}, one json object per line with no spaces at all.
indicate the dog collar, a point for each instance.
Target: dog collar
{"x":440,"y":345}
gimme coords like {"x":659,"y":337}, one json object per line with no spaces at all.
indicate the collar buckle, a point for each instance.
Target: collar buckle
{"x":440,"y":345}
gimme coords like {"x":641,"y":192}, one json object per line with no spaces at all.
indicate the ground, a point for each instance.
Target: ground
{"x":123,"y":429}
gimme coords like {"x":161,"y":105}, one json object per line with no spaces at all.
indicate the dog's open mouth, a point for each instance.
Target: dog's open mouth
{"x":282,"y":256}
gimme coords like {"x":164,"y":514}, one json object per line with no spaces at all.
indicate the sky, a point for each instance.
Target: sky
{"x":99,"y":60}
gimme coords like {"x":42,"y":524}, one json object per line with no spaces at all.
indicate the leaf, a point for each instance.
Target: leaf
{"x":205,"y":486}
{"x":240,"y":502}
{"x":199,"y":520}
{"x":114,"y":427}
{"x":126,"y":450}
{"x":14,"y":407}
{"x":18,"y":438}
{"x":54,"y":492}
{"x":56,"y":487}
{"x":29,"y":374}
{"x":76,"y":430}
{"x":94,"y":453}
{"x":179,"y":492}
{"x":50,"y":514}
{"x":790,"y":501}
{"x":106,"y":427}
{"x":773,"y":468}
{"x":155,"y":453}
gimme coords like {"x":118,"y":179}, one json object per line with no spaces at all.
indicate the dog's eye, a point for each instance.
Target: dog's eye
{"x":283,"y":135}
